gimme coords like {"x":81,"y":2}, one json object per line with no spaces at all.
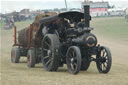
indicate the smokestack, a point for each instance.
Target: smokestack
{"x":87,"y":15}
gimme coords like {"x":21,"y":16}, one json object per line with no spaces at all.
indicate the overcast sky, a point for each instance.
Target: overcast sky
{"x":17,"y":5}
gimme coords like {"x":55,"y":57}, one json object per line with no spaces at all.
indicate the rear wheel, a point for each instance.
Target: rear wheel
{"x":73,"y":59}
{"x":15,"y":54}
{"x":31,"y":60}
{"x":50,"y":56}
{"x":104,"y":60}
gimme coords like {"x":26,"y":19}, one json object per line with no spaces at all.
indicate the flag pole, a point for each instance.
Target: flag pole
{"x":66,"y":5}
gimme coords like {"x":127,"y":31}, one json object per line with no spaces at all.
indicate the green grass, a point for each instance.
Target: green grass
{"x":19,"y":25}
{"x":1,"y":24}
{"x":23,"y":24}
{"x":20,"y":74}
{"x":115,"y":28}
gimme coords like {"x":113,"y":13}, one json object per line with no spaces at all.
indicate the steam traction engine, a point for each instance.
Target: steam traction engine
{"x":65,"y":38}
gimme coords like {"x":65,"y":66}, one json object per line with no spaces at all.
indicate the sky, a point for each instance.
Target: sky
{"x":16,"y":5}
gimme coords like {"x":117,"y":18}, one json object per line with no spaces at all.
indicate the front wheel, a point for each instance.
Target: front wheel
{"x":73,"y":59}
{"x":104,"y":60}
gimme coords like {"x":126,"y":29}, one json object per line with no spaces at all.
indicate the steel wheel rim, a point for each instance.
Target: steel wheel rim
{"x":13,"y":55}
{"x":47,"y":52}
{"x":103,"y":62}
{"x":72,"y":60}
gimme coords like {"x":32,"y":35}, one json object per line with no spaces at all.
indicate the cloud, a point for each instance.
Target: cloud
{"x":17,"y":5}
{"x":41,"y":0}
{"x":33,"y":5}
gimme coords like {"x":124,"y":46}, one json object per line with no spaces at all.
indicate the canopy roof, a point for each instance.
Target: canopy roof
{"x":73,"y":16}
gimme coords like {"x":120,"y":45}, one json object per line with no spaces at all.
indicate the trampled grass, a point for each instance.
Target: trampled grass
{"x":20,"y":74}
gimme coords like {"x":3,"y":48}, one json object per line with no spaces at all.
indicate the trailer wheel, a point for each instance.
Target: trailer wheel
{"x":85,"y":64}
{"x":73,"y":59}
{"x":104,"y":60}
{"x":50,"y":56}
{"x":31,"y":60}
{"x":15,"y":54}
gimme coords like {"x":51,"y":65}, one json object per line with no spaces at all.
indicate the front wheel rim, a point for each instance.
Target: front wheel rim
{"x":73,"y":60}
{"x":104,"y":60}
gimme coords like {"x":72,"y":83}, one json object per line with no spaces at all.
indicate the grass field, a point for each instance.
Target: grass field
{"x":112,"y":28}
{"x":111,"y":32}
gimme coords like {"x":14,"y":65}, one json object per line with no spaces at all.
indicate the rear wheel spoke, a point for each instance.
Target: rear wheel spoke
{"x":72,"y":66}
{"x":70,"y":54}
{"x":48,"y":62}
{"x":75,"y":65}
{"x":46,"y":57}
{"x":47,"y":43}
{"x":45,"y":49}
